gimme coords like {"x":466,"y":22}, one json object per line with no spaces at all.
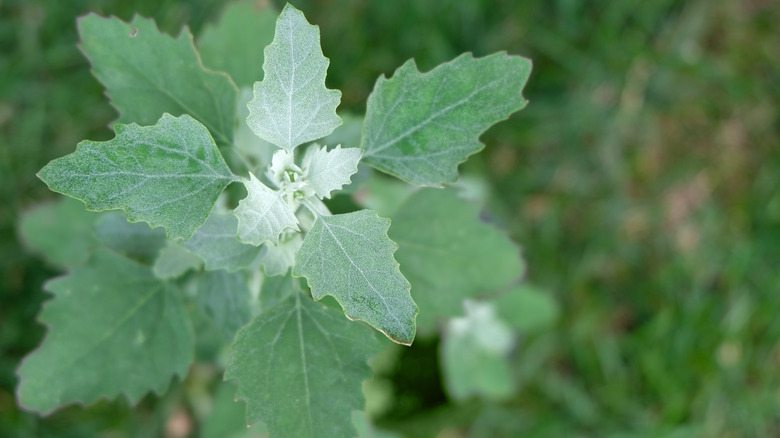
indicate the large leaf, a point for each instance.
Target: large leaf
{"x":263,"y":214}
{"x":291,"y":104}
{"x":169,"y":174}
{"x":147,"y":73}
{"x":448,"y":253}
{"x":216,"y":243}
{"x":113,"y":329}
{"x":328,"y":170}
{"x":420,"y":126}
{"x":299,"y":367}
{"x":61,"y":231}
{"x":235,"y":43}
{"x":350,"y":257}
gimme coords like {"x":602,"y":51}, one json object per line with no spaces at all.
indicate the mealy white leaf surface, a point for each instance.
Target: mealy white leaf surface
{"x":292,"y":105}
{"x":326,"y":170}
{"x":263,"y":214}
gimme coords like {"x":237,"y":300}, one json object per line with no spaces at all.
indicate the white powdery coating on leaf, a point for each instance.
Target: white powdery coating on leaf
{"x":327,"y":170}
{"x":421,"y":126}
{"x":292,"y":105}
{"x":263,"y":214}
{"x":350,"y":257}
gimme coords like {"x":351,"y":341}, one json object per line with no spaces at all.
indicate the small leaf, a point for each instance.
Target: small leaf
{"x":113,"y":329}
{"x":61,"y":231}
{"x":291,"y":104}
{"x":135,"y":240}
{"x":173,"y":261}
{"x":216,"y":243}
{"x":235,"y":43}
{"x":299,"y":366}
{"x":420,"y":126}
{"x":475,"y":354}
{"x":350,"y":257}
{"x":328,"y":170}
{"x":224,"y":298}
{"x":147,"y":73}
{"x":263,"y":215}
{"x":169,"y":174}
{"x":448,"y":253}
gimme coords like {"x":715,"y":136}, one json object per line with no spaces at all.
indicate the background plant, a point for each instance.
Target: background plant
{"x":656,"y":340}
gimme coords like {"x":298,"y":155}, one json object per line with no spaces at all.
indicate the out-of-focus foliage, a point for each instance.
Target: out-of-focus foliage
{"x":642,"y":180}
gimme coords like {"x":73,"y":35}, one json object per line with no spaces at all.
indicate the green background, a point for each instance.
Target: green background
{"x":642,"y":180}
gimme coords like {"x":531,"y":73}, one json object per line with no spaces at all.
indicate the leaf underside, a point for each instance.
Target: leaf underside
{"x":147,"y":73}
{"x":292,"y":105}
{"x":299,"y":367}
{"x":448,"y":253}
{"x":169,"y":174}
{"x":421,"y":126}
{"x":350,"y":257}
{"x":113,"y":329}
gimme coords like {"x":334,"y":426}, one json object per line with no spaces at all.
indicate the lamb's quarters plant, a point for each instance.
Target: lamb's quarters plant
{"x":120,"y":322}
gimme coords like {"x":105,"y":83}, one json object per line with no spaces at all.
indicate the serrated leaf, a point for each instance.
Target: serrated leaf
{"x":224,"y":297}
{"x":169,"y":174}
{"x":61,"y":231}
{"x":113,"y":329}
{"x":474,"y":353}
{"x":235,"y":43}
{"x":327,"y":170}
{"x":350,"y":257}
{"x":448,"y":253}
{"x":173,"y":261}
{"x":147,"y":73}
{"x":299,"y":366}
{"x":216,"y":244}
{"x":292,"y":105}
{"x":263,"y":215}
{"x":135,"y":240}
{"x":421,"y":126}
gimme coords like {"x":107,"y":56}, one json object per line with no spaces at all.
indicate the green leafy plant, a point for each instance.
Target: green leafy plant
{"x":250,"y":241}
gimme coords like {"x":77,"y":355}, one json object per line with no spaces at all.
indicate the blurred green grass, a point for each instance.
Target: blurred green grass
{"x":642,"y":181}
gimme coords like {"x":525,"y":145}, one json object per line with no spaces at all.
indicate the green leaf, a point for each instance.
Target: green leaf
{"x":527,"y":309}
{"x":475,"y":352}
{"x":299,"y":366}
{"x":327,"y":170}
{"x":216,"y":243}
{"x":235,"y":44}
{"x":173,"y":261}
{"x":263,"y":215}
{"x":291,"y":104}
{"x":421,"y":126}
{"x":224,"y":297}
{"x":135,"y":240}
{"x":147,"y":73}
{"x":113,"y":329}
{"x":169,"y":174}
{"x":61,"y":231}
{"x":350,"y":257}
{"x":448,"y":253}
{"x":275,"y":289}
